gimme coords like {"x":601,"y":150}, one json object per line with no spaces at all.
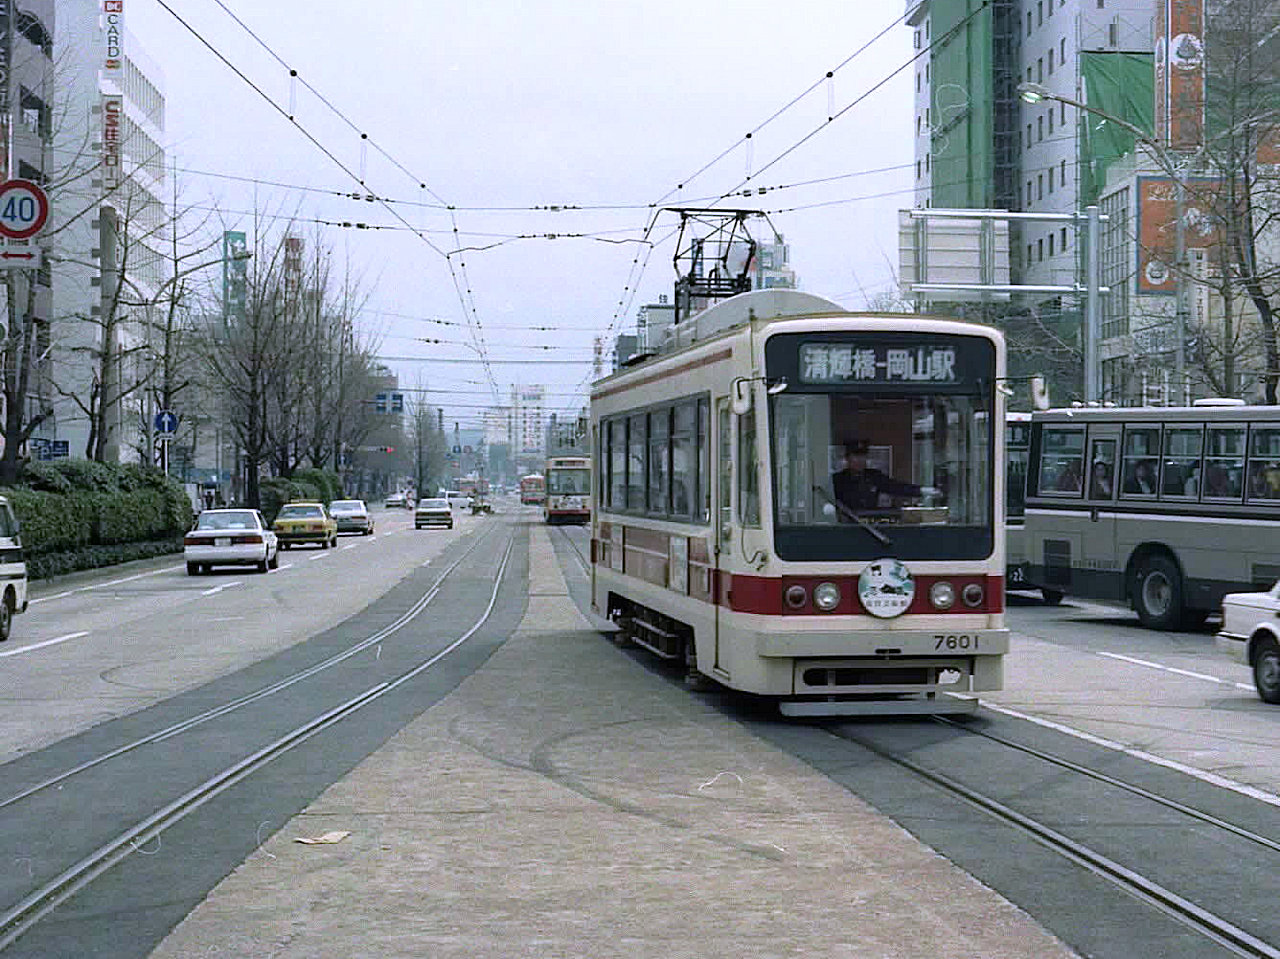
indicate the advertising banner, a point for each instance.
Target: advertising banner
{"x":1157,"y":230}
{"x":1179,"y":73}
{"x":112,"y":141}
{"x":235,"y":268}
{"x":112,"y":37}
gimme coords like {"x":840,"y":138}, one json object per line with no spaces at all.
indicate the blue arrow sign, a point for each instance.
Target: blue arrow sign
{"x":166,"y":422}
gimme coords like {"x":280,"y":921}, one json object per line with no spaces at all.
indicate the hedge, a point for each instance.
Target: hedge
{"x":79,"y":514}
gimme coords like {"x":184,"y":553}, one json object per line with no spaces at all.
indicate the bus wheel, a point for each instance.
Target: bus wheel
{"x":1052,"y":597}
{"x":1266,"y":671}
{"x":1157,"y":594}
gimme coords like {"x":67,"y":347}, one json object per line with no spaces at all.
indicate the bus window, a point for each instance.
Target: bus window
{"x":1061,"y":461}
{"x":1103,"y":470}
{"x":1264,"y":464}
{"x":1224,"y":463}
{"x":1141,"y":463}
{"x":1180,"y":474}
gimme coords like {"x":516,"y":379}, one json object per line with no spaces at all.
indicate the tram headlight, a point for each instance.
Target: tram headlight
{"x":796,"y":596}
{"x":826,"y":596}
{"x":973,"y":595}
{"x":942,"y":595}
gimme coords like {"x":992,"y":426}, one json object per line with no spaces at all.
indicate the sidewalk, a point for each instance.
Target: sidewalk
{"x":564,"y":803}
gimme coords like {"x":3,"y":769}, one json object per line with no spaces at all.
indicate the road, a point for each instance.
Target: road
{"x":119,"y":663}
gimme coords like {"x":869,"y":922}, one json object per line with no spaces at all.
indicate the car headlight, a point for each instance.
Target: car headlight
{"x":826,"y":596}
{"x":973,"y":595}
{"x":942,"y":595}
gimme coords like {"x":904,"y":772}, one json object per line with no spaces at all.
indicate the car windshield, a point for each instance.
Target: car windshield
{"x":434,"y":504}
{"x":301,"y":512}
{"x":232,"y":519}
{"x":346,"y":506}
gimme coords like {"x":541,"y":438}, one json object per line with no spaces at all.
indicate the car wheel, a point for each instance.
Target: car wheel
{"x":1052,"y":597}
{"x":6,"y":618}
{"x":286,"y":545}
{"x":193,"y":569}
{"x":1266,"y":671}
{"x":263,"y":566}
{"x":1157,"y":594}
{"x":274,"y":561}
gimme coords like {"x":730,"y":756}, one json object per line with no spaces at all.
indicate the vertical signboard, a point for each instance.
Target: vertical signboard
{"x":112,"y":141}
{"x":1179,"y":73}
{"x":1157,"y":225}
{"x":235,"y":262}
{"x":113,"y":38}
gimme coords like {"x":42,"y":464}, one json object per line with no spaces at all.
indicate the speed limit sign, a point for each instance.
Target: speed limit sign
{"x":24,"y":208}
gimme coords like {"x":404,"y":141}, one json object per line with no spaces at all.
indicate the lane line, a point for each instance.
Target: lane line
{"x":114,"y":582}
{"x":48,"y":642}
{"x":220,"y":587}
{"x":1178,"y":672}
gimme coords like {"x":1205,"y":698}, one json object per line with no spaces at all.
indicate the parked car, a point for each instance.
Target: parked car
{"x":352,"y":516}
{"x":13,"y":569}
{"x":298,"y":523}
{"x":230,"y":537}
{"x":1250,"y":634}
{"x":433,"y":512}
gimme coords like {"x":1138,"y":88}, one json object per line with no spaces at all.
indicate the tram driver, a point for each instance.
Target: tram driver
{"x":861,"y":487}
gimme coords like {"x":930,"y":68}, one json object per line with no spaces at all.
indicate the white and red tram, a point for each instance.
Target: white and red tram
{"x":723,"y":536}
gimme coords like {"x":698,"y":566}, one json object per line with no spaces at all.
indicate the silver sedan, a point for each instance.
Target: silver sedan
{"x":230,"y":537}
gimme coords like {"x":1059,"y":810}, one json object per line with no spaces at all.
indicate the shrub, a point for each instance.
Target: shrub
{"x":327,"y":484}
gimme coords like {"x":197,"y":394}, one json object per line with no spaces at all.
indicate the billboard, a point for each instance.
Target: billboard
{"x":235,"y":261}
{"x":113,"y":38}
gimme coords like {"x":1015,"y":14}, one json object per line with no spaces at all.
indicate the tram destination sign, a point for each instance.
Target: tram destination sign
{"x":896,"y":360}
{"x":849,"y":363}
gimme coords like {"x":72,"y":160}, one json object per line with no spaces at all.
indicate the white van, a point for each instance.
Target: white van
{"x":13,"y":569}
{"x":455,"y":497}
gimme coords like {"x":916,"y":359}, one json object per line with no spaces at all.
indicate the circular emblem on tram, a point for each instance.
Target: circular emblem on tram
{"x":886,"y":588}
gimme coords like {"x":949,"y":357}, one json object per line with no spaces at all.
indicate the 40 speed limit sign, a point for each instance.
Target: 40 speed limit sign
{"x":24,"y":208}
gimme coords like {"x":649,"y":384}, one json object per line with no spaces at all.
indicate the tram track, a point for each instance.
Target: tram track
{"x":1130,"y":861}
{"x":50,"y":891}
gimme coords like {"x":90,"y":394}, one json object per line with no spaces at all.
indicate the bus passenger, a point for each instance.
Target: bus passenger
{"x":1142,"y":479}
{"x":860,"y":487}
{"x":1100,"y":481}
{"x":1069,"y":478}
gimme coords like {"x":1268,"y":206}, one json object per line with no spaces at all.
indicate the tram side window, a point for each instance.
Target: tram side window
{"x":748,"y":472}
{"x":618,"y":464}
{"x":683,"y":458}
{"x":1223,"y":463}
{"x":659,"y":454}
{"x":704,"y":459}
{"x":1180,"y":471}
{"x":1140,"y":464}
{"x":635,"y":462}
{"x":1061,"y":461}
{"x":1264,"y":465}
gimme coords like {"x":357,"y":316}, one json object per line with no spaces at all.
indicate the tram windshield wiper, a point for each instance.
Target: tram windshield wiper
{"x":884,"y":540}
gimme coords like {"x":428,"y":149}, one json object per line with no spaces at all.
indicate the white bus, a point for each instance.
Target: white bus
{"x":1017,"y":453}
{"x":1166,"y":508}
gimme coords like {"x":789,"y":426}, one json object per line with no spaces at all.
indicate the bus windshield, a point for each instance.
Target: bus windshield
{"x":862,"y":475}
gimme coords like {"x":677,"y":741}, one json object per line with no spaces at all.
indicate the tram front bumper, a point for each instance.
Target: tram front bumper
{"x":944,"y":641}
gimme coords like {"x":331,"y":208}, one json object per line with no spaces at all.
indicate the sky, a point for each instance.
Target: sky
{"x":512,"y":111}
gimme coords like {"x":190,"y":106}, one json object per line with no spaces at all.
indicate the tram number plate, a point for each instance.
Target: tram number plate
{"x":955,"y":641}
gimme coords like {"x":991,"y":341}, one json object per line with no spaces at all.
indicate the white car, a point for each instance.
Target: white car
{"x":230,"y":537}
{"x":352,"y":516}
{"x":1250,"y":634}
{"x":433,"y":512}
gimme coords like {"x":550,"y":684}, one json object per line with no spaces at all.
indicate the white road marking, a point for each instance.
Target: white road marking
{"x":219,"y":588}
{"x":1213,"y":778}
{"x":324,"y":555}
{"x":41,"y":645}
{"x":283,"y":566}
{"x":114,"y":582}
{"x":1176,"y":671}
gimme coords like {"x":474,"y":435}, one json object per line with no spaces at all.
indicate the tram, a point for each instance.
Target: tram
{"x":808,"y":504}
{"x":532,"y":489}
{"x":568,"y":490}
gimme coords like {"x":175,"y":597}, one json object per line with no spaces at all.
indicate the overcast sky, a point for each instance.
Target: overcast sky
{"x":528,"y":104}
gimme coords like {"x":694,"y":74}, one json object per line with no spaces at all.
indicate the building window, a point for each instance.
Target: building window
{"x":1062,"y":50}
{"x":1039,"y":186}
{"x":917,"y":39}
{"x":1050,"y":179}
{"x":926,"y":162}
{"x":1051,"y":238}
{"x":1028,"y":23}
{"x":1040,"y":70}
{"x":1050,"y":121}
{"x":1029,"y":258}
{"x":1062,"y":174}
{"x":1063,"y":245}
{"x":1049,"y":58}
{"x":1062,"y":113}
{"x":1040,"y":12}
{"x":1028,"y":136}
{"x":1028,"y":193}
{"x":1039,"y":129}
{"x":918,"y":170}
{"x":1040,"y":250}
{"x":1113,"y":33}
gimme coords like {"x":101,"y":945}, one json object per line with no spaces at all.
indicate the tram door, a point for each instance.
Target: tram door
{"x":723,"y":509}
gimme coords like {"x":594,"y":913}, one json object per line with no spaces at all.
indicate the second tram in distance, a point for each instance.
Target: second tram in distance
{"x":568,"y":490}
{"x":807,"y":504}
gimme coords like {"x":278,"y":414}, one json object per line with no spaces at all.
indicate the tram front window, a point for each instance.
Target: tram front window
{"x":569,"y":482}
{"x":861,"y":475}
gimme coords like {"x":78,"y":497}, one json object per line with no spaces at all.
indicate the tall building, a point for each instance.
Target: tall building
{"x":109,"y":265}
{"x":528,"y":425}
{"x":27,"y":91}
{"x":979,"y":145}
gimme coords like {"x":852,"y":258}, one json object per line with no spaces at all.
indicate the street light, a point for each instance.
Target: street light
{"x":1035,"y":93}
